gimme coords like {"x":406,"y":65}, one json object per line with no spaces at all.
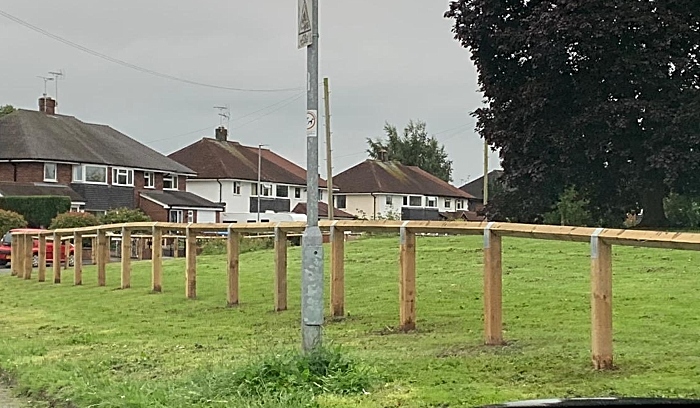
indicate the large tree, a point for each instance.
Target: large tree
{"x":600,"y":95}
{"x":414,"y":148}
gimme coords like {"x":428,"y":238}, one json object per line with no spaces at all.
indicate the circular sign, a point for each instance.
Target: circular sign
{"x":310,"y":120}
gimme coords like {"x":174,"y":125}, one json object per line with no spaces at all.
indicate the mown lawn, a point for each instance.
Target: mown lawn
{"x":131,"y":348}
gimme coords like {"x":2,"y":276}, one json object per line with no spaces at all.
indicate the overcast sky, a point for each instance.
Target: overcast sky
{"x":388,"y":60}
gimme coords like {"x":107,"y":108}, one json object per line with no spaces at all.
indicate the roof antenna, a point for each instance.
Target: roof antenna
{"x":56,"y":76}
{"x":225,"y":114}
{"x":46,"y":80}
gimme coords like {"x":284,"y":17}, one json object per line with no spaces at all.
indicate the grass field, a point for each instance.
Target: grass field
{"x":102,"y":347}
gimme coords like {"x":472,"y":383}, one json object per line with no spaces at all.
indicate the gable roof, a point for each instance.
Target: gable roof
{"x":180,"y":199}
{"x":214,"y":159}
{"x":39,"y":189}
{"x":323,"y":211}
{"x":374,"y":176}
{"x":476,"y":187}
{"x":34,"y":135}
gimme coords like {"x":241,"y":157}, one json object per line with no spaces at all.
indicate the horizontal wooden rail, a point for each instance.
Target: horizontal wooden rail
{"x":601,"y":242}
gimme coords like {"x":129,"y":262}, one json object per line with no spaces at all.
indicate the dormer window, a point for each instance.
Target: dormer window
{"x":50,"y":172}
{"x":170,"y":182}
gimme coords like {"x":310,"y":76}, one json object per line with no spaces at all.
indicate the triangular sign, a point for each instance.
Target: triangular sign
{"x":304,"y":21}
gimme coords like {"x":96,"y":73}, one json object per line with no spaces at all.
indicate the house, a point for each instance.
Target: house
{"x":98,"y":167}
{"x":476,"y":189}
{"x":377,"y":189}
{"x":227,"y":172}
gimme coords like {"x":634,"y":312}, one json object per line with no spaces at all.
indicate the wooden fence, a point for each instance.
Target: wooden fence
{"x":601,"y":241}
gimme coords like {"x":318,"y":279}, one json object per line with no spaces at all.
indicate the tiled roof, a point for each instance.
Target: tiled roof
{"x":476,"y":187}
{"x":183,"y":199}
{"x":34,"y":135}
{"x":214,"y":159}
{"x":323,"y":211}
{"x":374,"y":176}
{"x":39,"y":189}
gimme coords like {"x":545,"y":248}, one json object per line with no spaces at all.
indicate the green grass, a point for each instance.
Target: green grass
{"x":131,"y":348}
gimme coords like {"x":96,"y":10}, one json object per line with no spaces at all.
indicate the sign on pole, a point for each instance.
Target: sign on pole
{"x":305,"y":25}
{"x":311,"y":123}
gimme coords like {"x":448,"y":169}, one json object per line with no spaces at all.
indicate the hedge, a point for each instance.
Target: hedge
{"x":37,"y":210}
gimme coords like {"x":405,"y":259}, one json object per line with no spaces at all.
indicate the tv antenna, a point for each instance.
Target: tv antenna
{"x":46,"y":80}
{"x":56,"y":76}
{"x":225,"y":114}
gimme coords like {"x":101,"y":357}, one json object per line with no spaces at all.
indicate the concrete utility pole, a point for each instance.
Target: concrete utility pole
{"x":312,"y":240}
{"x":329,"y":164}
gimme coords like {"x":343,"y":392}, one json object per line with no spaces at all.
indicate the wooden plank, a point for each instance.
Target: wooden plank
{"x":66,"y":248}
{"x":19,"y":254}
{"x":93,"y":250}
{"x":56,"y":255}
{"x":28,"y":261}
{"x":126,"y":258}
{"x":42,"y":258}
{"x":102,"y":257}
{"x":191,"y":261}
{"x":157,"y":260}
{"x":78,"y":262}
{"x":493,"y":289}
{"x":337,"y":273}
{"x":176,"y":245}
{"x":233,"y":249}
{"x":601,"y":304}
{"x":550,"y":232}
{"x":280,"y":270}
{"x":14,"y":252}
{"x":407,"y":281}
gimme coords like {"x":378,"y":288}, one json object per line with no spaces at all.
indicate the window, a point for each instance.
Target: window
{"x":297,"y":192}
{"x":448,"y":203}
{"x":237,"y":188}
{"x":415,"y":201}
{"x":253,"y":189}
{"x":405,"y":200}
{"x":175,"y":216}
{"x":431,"y":201}
{"x":389,"y":200}
{"x":190,"y":216}
{"x":341,"y":202}
{"x":122,"y":177}
{"x":282,"y":191}
{"x":78,"y":173}
{"x":266,"y":190}
{"x":170,"y":182}
{"x":320,"y":195}
{"x":460,"y":204}
{"x":50,"y":172}
{"x":149,"y":181}
{"x":95,"y":174}
{"x":76,"y":208}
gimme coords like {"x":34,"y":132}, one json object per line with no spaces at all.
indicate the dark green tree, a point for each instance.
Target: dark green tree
{"x":6,"y":109}
{"x":601,"y":94}
{"x":414,"y":148}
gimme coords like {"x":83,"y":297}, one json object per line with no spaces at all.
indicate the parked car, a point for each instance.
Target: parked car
{"x":6,"y":249}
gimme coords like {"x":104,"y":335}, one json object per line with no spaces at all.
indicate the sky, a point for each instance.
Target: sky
{"x":387,"y":61}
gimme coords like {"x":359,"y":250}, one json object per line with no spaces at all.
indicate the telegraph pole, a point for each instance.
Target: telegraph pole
{"x":486,"y":172}
{"x":312,"y":240}
{"x":329,"y":164}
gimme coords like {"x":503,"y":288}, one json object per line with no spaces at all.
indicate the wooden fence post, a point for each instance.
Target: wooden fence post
{"x":191,"y":261}
{"x":233,"y":249}
{"x":93,"y":250}
{"x":67,"y":254}
{"x":56,"y":255}
{"x":337,"y":272}
{"x":28,"y":256}
{"x":493,"y":288}
{"x":601,"y":303}
{"x":102,"y":257}
{"x":18,"y":258}
{"x":78,"y":259}
{"x":14,"y":252}
{"x":157,"y":259}
{"x":280,"y":270}
{"x":126,"y":258}
{"x":176,"y":244}
{"x":407,"y":284}
{"x":42,"y":258}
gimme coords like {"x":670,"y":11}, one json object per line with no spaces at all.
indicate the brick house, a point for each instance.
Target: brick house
{"x":98,"y":167}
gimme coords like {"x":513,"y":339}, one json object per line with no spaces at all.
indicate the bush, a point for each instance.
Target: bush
{"x":74,"y":220}
{"x":124,"y":215}
{"x":37,"y":210}
{"x":570,"y":210}
{"x":218,"y":246}
{"x":10,"y":220}
{"x":682,"y":211}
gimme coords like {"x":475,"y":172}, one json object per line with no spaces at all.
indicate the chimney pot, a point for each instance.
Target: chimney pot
{"x":47,"y":105}
{"x":383,"y":155}
{"x":221,"y":134}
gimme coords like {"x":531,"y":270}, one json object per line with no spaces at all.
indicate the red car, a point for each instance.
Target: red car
{"x":6,"y":248}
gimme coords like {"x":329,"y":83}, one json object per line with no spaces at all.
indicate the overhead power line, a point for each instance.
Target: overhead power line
{"x":133,"y":66}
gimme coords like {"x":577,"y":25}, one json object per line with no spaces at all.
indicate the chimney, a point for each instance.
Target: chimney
{"x":221,"y":134}
{"x":383,"y":155}
{"x":47,"y":105}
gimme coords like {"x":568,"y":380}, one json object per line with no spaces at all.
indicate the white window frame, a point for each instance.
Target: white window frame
{"x":266,"y":190}
{"x":297,"y":192}
{"x":122,"y":172}
{"x":236,"y":188}
{"x":253,"y":189}
{"x":85,"y":180}
{"x":190,"y":215}
{"x":149,"y":179}
{"x":277,"y":187}
{"x":459,"y":205}
{"x":81,"y":176}
{"x":173,"y":179}
{"x":178,"y":216}
{"x":448,"y":203}
{"x":389,"y":200}
{"x":430,"y":199}
{"x":337,"y":201}
{"x":419,"y":200}
{"x":47,"y":166}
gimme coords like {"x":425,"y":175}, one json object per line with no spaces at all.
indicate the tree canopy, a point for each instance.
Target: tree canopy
{"x":414,"y":148}
{"x":599,"y":95}
{"x":6,"y":109}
